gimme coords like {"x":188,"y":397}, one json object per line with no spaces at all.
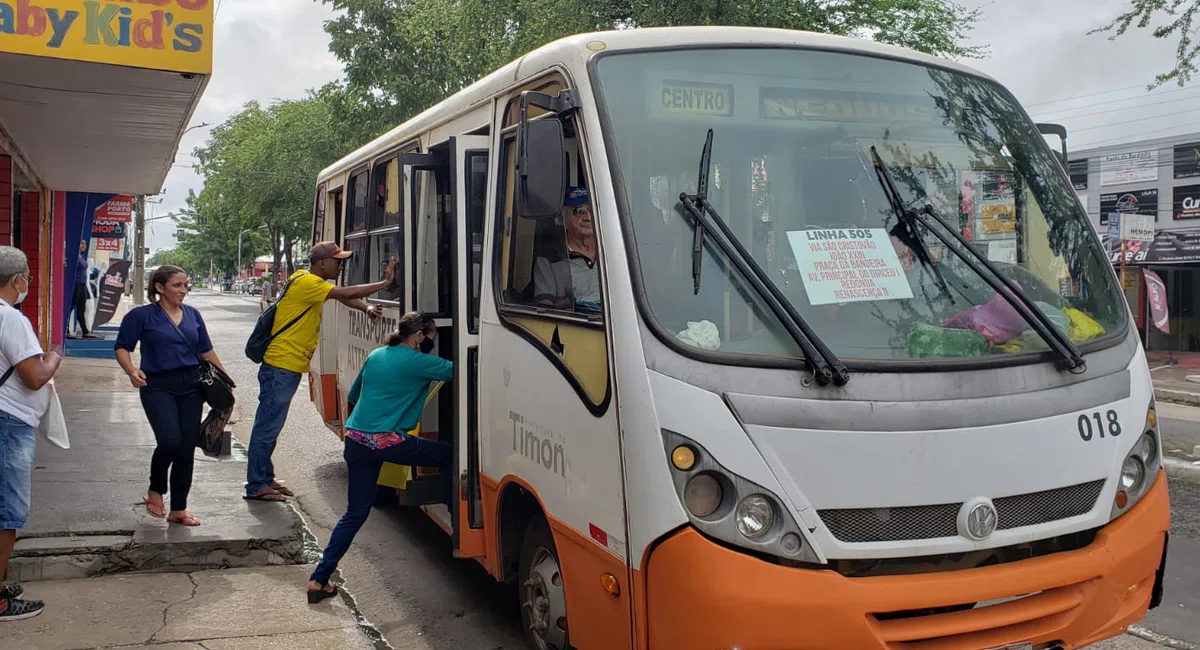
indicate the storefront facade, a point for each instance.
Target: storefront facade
{"x":1161,"y":180}
{"x":94,"y":98}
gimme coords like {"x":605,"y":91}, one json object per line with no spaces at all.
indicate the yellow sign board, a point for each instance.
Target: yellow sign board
{"x":690,"y":98}
{"x":174,"y":35}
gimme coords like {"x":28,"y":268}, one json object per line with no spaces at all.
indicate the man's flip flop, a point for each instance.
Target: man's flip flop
{"x":266,"y":496}
{"x":282,"y":490}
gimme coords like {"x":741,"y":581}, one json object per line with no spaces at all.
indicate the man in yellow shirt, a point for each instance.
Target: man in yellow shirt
{"x":288,"y":355}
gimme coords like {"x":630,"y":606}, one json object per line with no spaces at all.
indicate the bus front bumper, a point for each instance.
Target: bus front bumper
{"x":701,"y":595}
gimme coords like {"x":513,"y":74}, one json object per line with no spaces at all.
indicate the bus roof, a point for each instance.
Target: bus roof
{"x":576,"y":47}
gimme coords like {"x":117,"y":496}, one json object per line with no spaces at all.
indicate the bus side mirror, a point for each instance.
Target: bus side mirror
{"x":541,"y":177}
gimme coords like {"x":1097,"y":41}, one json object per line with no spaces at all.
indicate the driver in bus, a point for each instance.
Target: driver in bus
{"x":575,"y":281}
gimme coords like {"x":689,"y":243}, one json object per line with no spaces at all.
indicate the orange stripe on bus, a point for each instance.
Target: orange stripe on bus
{"x":598,"y":619}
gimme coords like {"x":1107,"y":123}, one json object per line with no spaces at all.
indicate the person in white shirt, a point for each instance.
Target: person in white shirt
{"x":24,"y":372}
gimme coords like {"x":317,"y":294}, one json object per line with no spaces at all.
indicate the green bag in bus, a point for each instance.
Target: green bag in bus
{"x":930,"y":341}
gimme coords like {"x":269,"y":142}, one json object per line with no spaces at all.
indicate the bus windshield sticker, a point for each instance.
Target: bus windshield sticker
{"x":840,"y":106}
{"x":849,"y":265}
{"x":693,"y":98}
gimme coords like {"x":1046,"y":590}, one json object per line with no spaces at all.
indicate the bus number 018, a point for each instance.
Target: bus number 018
{"x":1109,"y":422}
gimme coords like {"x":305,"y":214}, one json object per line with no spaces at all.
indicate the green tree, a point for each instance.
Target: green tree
{"x":1178,"y":21}
{"x":259,"y":167}
{"x":402,"y":56}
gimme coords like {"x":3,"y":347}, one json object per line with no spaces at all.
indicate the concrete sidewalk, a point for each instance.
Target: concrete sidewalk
{"x":235,"y":609}
{"x":87,"y":516}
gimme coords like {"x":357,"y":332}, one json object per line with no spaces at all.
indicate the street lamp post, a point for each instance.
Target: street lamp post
{"x":244,"y":231}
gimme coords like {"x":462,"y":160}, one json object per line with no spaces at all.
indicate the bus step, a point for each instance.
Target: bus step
{"x":420,"y":491}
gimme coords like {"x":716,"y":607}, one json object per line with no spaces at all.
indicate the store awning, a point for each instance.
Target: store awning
{"x":1168,"y":247}
{"x":95,"y":97}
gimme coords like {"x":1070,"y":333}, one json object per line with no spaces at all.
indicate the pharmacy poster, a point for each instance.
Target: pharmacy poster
{"x":849,"y":265}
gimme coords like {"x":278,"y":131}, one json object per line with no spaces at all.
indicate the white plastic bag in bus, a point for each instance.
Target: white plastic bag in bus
{"x":702,"y":334}
{"x":54,"y":425}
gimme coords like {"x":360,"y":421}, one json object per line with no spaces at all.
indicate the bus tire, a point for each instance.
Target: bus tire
{"x":542,"y":593}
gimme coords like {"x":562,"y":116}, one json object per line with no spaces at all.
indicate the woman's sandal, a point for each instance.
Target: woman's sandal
{"x":185,"y":520}
{"x":317,"y":595}
{"x":155,"y":508}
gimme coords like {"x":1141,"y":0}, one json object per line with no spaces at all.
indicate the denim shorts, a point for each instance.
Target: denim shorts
{"x":17,"y":444}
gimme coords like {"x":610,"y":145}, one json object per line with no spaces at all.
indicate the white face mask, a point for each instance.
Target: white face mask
{"x":22,"y":294}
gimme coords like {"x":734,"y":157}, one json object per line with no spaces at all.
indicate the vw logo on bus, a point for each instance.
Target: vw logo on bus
{"x":977,"y":519}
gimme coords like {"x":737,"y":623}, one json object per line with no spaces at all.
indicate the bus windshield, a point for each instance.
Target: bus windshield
{"x":793,"y":175}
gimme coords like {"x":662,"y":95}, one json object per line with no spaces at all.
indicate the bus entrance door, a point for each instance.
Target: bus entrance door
{"x":468,"y":192}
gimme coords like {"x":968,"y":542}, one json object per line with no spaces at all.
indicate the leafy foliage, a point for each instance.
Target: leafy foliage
{"x":1181,"y":16}
{"x":402,"y":56}
{"x":259,"y":168}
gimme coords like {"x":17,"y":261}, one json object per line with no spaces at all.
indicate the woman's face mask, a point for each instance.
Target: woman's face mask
{"x":426,"y":344}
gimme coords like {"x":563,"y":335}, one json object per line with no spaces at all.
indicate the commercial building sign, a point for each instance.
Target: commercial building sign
{"x":1186,"y":203}
{"x":1132,"y":167}
{"x":1078,"y":169}
{"x":1132,"y":202}
{"x":1187,"y":160}
{"x":110,"y":244}
{"x":1168,"y":247}
{"x":118,"y":208}
{"x":110,"y":229}
{"x":173,"y":35}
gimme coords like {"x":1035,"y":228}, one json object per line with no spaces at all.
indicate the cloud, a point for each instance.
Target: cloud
{"x":1092,"y":85}
{"x":264,"y":50}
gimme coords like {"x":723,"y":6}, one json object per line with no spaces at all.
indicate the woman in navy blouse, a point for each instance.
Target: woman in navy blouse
{"x":169,"y":383}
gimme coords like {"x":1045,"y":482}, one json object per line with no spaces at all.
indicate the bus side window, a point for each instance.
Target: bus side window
{"x":386,"y":237}
{"x":552,"y":265}
{"x":355,"y":240}
{"x":555,"y":262}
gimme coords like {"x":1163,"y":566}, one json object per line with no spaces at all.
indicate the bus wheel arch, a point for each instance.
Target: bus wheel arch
{"x":517,"y":507}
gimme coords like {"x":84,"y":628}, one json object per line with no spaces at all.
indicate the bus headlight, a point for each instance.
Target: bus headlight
{"x":754,"y":516}
{"x":730,"y":508}
{"x":1139,"y":467}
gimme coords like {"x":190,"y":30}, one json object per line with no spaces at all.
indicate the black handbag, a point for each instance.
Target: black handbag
{"x":216,"y":386}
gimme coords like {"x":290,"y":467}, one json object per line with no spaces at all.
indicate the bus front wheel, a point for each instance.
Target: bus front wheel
{"x":543,"y":599}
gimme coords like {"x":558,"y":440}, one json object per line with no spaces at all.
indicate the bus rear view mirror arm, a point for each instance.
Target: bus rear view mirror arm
{"x":541,"y":164}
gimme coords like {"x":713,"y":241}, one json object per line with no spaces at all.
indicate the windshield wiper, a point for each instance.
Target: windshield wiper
{"x":825,"y":365}
{"x":1070,"y":357}
{"x":906,"y":228}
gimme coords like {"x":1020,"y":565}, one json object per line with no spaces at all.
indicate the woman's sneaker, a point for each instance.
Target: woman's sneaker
{"x":14,"y":609}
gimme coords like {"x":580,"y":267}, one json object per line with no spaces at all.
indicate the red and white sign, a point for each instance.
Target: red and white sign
{"x":118,"y":208}
{"x":1156,"y":295}
{"x":108,"y":244}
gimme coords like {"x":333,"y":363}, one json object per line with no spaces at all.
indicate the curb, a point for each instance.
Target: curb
{"x":1184,"y":470}
{"x":69,"y":558}
{"x":1177,"y":397}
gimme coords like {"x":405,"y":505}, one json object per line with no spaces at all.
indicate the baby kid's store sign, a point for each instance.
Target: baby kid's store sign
{"x":174,"y":35}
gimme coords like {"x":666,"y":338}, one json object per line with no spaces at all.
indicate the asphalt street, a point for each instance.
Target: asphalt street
{"x":404,"y":581}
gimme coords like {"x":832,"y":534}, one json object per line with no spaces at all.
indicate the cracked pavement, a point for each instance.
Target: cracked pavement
{"x":232,"y":609}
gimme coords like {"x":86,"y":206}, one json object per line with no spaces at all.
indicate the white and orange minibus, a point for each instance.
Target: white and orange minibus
{"x":825,"y":355}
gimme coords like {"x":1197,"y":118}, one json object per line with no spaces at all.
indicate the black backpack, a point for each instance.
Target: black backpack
{"x":260,"y":339}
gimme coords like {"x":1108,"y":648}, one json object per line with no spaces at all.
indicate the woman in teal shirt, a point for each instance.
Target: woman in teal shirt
{"x":386,"y":400}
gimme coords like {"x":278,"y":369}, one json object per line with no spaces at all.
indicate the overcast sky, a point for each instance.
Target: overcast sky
{"x":276,"y":49}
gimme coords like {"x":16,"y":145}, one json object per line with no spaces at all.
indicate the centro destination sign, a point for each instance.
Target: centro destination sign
{"x":172,"y":35}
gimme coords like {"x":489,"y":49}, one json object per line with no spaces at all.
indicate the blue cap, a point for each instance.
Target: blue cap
{"x":576,"y":196}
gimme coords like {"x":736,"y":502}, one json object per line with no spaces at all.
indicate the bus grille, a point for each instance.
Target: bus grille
{"x":907,"y":523}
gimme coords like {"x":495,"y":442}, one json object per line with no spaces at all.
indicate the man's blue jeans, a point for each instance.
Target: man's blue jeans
{"x":363,"y":465}
{"x":276,"y":387}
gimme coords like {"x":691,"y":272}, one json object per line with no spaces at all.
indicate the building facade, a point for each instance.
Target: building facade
{"x":94,"y":98}
{"x":1160,"y":179}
